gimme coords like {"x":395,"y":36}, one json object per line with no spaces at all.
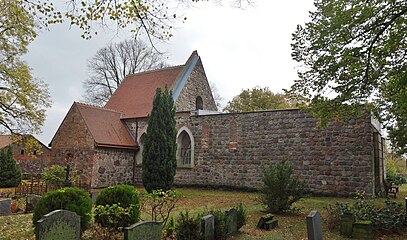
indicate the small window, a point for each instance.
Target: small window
{"x":35,"y":152}
{"x":22,"y":152}
{"x":199,"y":103}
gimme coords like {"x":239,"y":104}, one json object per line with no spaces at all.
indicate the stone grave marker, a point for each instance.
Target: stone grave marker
{"x":208,"y":227}
{"x":94,"y":195}
{"x":5,"y":207}
{"x":363,"y":230}
{"x":267,"y":222}
{"x":232,"y":222}
{"x":314,"y":227}
{"x":59,"y":224}
{"x":30,"y":203}
{"x":144,"y":230}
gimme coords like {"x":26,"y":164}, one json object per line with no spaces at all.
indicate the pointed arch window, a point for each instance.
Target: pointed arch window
{"x":185,"y":148}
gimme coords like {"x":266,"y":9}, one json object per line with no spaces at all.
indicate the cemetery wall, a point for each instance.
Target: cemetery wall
{"x":229,"y":149}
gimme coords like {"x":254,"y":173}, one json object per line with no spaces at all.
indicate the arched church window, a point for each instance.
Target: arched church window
{"x":199,"y":103}
{"x":185,"y":147}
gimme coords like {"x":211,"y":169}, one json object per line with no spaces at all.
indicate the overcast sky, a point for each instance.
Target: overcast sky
{"x":239,"y":49}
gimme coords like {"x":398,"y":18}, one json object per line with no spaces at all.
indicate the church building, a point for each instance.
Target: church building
{"x":104,"y":144}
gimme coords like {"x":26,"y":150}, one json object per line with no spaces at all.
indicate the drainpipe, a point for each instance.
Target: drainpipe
{"x":134,"y":155}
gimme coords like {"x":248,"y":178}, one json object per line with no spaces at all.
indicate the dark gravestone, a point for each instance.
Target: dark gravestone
{"x":208,"y":227}
{"x":58,"y":225}
{"x":30,"y":203}
{"x":314,"y":227}
{"x":144,"y":230}
{"x":94,"y":195}
{"x":231,"y":215}
{"x":5,"y":206}
{"x":363,"y":230}
{"x":267,"y":222}
{"x":346,"y":224}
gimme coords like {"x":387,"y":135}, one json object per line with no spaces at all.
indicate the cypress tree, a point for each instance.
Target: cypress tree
{"x":10,"y":173}
{"x":159,"y":153}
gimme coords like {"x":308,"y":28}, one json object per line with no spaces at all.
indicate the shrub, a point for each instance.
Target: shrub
{"x":123,"y":195}
{"x":96,"y":232}
{"x":116,"y":217}
{"x":390,"y":218}
{"x":169,"y":230}
{"x":188,"y":227}
{"x":10,"y":172}
{"x":54,"y":175}
{"x":241,"y":215}
{"x":280,"y":189}
{"x":159,"y":153}
{"x":159,"y":204}
{"x":71,"y":199}
{"x":221,"y":223}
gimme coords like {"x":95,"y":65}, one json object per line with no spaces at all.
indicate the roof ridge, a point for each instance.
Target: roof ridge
{"x":154,"y":70}
{"x":96,"y":107}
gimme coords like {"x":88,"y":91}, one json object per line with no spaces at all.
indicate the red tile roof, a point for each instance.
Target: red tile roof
{"x":106,"y":127}
{"x":134,"y":97}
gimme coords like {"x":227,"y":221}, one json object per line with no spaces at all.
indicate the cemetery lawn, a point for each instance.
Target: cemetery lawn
{"x":291,"y":226}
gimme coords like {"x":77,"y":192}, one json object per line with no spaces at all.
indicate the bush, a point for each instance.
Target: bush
{"x":221,"y":223}
{"x":390,"y":218}
{"x":169,"y":230}
{"x":159,"y":204}
{"x":71,"y":199}
{"x":54,"y":175}
{"x":10,"y":172}
{"x":241,"y":215}
{"x":188,"y":227}
{"x":280,"y":189}
{"x":116,"y":217}
{"x":123,"y":195}
{"x":96,"y":232}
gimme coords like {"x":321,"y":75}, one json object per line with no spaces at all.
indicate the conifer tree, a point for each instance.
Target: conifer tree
{"x":10,"y":173}
{"x":159,"y":153}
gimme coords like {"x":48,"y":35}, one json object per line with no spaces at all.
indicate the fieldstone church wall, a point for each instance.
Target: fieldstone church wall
{"x":197,"y":85}
{"x":229,"y":149}
{"x":112,"y":167}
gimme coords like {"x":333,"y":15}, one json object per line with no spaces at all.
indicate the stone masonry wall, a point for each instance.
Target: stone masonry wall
{"x":112,"y":167}
{"x":32,"y":163}
{"x":229,"y":149}
{"x":196,"y":85}
{"x":73,"y":145}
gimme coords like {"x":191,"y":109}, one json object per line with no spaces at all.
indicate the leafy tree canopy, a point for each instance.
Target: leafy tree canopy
{"x":23,"y":99}
{"x":353,"y":53}
{"x":259,"y":98}
{"x":154,"y":17}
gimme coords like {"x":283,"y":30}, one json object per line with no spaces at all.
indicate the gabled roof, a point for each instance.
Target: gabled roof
{"x":106,"y":127}
{"x":135,"y":95}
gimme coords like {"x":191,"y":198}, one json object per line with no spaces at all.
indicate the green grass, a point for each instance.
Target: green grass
{"x":197,"y":200}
